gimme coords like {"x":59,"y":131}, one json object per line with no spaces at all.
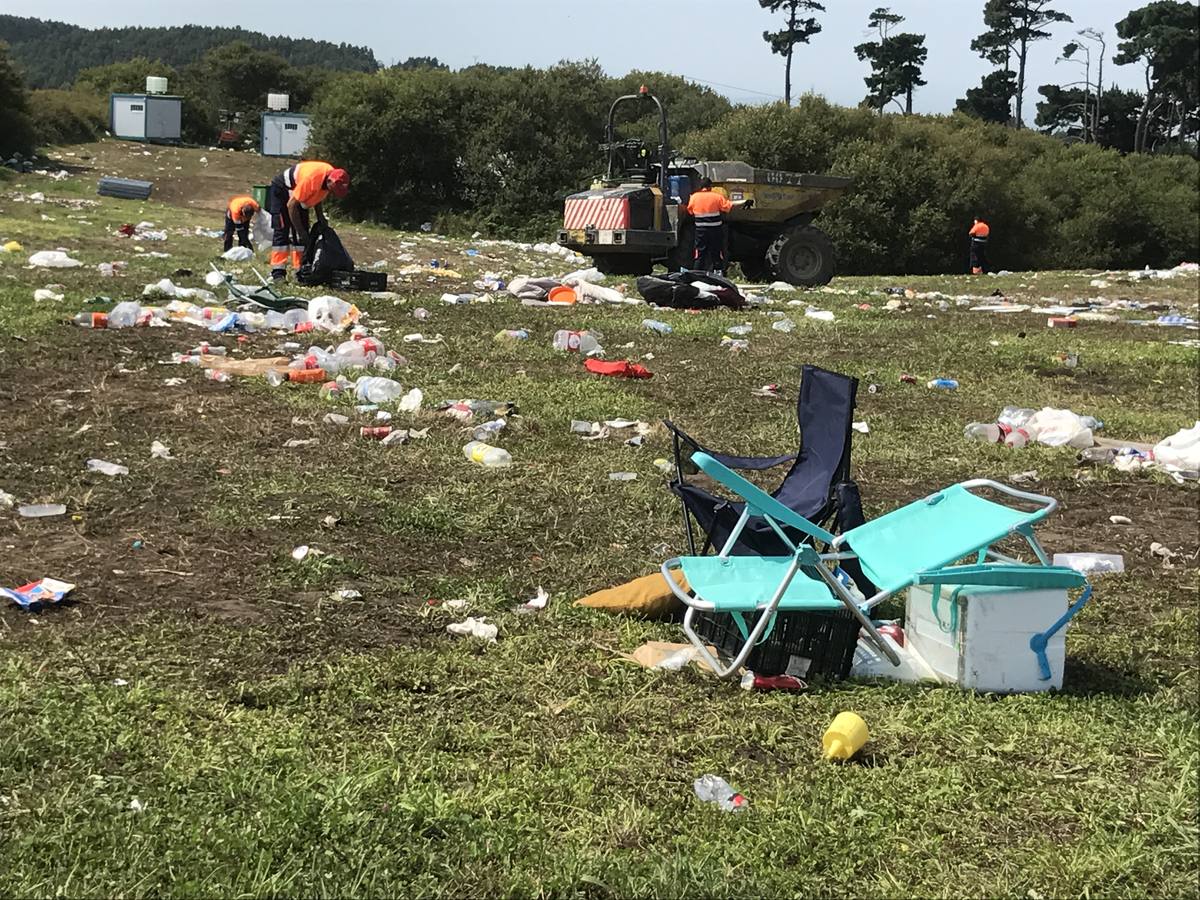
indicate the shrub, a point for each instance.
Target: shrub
{"x":67,"y":117}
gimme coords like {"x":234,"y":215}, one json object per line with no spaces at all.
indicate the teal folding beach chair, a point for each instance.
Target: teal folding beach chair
{"x":916,"y":544}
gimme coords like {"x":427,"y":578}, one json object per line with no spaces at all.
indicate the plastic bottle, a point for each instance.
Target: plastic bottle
{"x":375,"y":432}
{"x":655,"y":325}
{"x":1015,"y":416}
{"x":217,"y":375}
{"x":787,"y":326}
{"x":988,"y":432}
{"x":845,"y":737}
{"x":92,"y":320}
{"x":205,"y":348}
{"x":41,"y":510}
{"x":487,"y":456}
{"x":488,"y":430}
{"x":576,"y":341}
{"x":124,"y":314}
{"x":714,"y":789}
{"x":354,"y":353}
{"x":375,"y":389}
{"x":1019,"y":437}
{"x":275,"y":377}
{"x":944,"y":384}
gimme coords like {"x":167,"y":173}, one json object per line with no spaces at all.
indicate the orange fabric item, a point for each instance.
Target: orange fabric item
{"x":238,"y":203}
{"x":310,"y":180}
{"x":980,"y":229}
{"x":297,"y":259}
{"x":619,"y":369}
{"x":279,"y":258}
{"x":647,"y":596}
{"x":708,"y":203}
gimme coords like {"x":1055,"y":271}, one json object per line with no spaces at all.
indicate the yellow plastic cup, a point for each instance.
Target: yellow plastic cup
{"x":845,"y":736}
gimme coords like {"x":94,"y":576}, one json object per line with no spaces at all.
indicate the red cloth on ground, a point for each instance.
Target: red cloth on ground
{"x":620,"y":368}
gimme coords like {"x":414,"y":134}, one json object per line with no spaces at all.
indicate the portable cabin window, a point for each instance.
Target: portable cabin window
{"x":291,"y":126}
{"x":136,"y":107}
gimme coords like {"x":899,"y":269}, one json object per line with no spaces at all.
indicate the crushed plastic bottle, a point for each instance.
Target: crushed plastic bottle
{"x":622,"y":476}
{"x":1020,"y":437}
{"x":511,"y":335}
{"x":106,"y":468}
{"x":41,"y":510}
{"x":715,"y":789}
{"x":488,"y":430}
{"x":942,"y":384}
{"x":740,"y":330}
{"x":787,"y":326}
{"x":988,"y":432}
{"x":655,"y":325}
{"x":486,"y":455}
{"x":585,"y":342}
{"x":217,"y":375}
{"x":375,"y":389}
{"x":204,"y":348}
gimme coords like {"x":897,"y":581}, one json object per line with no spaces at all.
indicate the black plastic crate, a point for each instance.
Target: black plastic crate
{"x":826,"y":640}
{"x":360,"y":280}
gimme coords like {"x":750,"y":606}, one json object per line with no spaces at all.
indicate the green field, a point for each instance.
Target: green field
{"x":281,"y":741}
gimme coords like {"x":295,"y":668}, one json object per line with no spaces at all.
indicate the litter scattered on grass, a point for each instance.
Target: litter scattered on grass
{"x":106,"y":468}
{"x":476,"y":628}
{"x":37,"y":594}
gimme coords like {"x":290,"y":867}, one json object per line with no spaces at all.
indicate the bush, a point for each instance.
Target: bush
{"x":16,"y":129}
{"x":67,"y":117}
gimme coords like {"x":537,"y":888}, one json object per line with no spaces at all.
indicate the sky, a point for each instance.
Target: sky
{"x":717,"y":42}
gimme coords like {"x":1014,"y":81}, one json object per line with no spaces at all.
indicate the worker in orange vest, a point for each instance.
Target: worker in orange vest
{"x":238,"y":215}
{"x":292,"y":194}
{"x":979,"y":238}
{"x":707,"y":209}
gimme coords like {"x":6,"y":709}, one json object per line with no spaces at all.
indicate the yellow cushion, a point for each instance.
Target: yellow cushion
{"x":647,"y":596}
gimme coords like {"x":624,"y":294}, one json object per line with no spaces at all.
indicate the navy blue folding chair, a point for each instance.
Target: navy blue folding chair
{"x":818,"y":485}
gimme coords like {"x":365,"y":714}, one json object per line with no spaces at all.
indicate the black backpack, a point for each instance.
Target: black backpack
{"x":323,"y":256}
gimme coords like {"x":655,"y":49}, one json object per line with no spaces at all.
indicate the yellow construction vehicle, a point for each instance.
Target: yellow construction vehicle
{"x":631,"y":217}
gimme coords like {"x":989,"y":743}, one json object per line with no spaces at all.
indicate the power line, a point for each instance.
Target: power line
{"x":732,"y":87}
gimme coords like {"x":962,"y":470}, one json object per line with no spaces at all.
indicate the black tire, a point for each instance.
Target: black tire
{"x":756,"y":269}
{"x":802,"y":256}
{"x":623,"y":263}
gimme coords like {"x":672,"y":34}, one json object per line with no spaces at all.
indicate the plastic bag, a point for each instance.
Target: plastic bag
{"x":261,"y":233}
{"x":1059,"y":428}
{"x":1181,"y":450}
{"x":53,"y":259}
{"x":332,"y":314}
{"x":238,"y":254}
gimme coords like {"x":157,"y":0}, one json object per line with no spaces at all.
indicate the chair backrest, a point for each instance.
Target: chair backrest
{"x":932,"y":532}
{"x":757,"y":499}
{"x":825,"y":413}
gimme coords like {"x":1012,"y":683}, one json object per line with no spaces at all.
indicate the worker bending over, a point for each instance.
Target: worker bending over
{"x":979,"y":238}
{"x":292,"y":194}
{"x":238,"y":216}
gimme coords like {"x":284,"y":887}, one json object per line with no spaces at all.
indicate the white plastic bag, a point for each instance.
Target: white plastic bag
{"x":53,"y":259}
{"x":261,"y":231}
{"x":1181,"y":450}
{"x":238,"y":254}
{"x":332,"y":314}
{"x":1060,"y":428}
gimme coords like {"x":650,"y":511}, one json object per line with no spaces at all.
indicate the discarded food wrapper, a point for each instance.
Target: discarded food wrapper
{"x":1120,"y":520}
{"x":1024,"y":477}
{"x":716,"y":790}
{"x":473,"y":627}
{"x":41,"y":510}
{"x":754,"y":682}
{"x":159,"y":450}
{"x":767,"y":390}
{"x":669,"y":656}
{"x":299,"y":554}
{"x":33,"y":596}
{"x":347,"y":594}
{"x":1161,"y":550}
{"x":861,"y":427}
{"x":7,"y":500}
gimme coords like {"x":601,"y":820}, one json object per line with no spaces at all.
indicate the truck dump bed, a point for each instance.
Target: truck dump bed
{"x":778,"y":196}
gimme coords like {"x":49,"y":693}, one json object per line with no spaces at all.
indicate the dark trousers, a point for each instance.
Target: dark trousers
{"x":242,"y":229}
{"x":710,"y":248}
{"x":285,"y":243}
{"x":979,"y":262}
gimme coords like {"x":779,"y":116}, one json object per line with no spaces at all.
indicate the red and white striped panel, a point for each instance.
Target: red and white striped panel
{"x":596,"y":212}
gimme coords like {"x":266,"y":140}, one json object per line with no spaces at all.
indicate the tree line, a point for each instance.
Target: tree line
{"x":1162,"y":37}
{"x":52,"y":54}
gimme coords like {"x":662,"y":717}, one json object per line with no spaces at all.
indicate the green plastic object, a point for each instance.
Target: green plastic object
{"x":745,"y":583}
{"x":259,"y":193}
{"x":931,"y":533}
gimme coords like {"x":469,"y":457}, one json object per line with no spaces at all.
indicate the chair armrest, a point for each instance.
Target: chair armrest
{"x":753,"y":463}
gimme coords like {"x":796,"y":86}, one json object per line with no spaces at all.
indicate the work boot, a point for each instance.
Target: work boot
{"x":279,"y":275}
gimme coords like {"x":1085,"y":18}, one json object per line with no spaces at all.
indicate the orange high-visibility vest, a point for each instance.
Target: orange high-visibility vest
{"x":237,"y":204}
{"x":706,"y":207}
{"x":306,"y":181}
{"x":980,"y":231}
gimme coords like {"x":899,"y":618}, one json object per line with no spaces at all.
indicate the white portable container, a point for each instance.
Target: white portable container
{"x":278,"y":102}
{"x":145,"y":117}
{"x":156,"y":84}
{"x":283,"y":134}
{"x":978,"y":637}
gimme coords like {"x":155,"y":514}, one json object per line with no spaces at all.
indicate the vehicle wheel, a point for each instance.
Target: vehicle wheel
{"x":756,"y":269}
{"x":623,"y":264}
{"x":802,"y":256}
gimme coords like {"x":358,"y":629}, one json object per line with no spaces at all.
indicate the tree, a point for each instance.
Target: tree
{"x":421,"y":62}
{"x":992,"y":100}
{"x":1012,"y":25}
{"x":896,"y":61}
{"x":1163,"y":37}
{"x":798,"y":31}
{"x":1063,"y":112}
{"x":16,"y":128}
{"x":122,"y":77}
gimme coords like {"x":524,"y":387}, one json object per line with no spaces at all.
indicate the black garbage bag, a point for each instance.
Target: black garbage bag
{"x":323,"y":256}
{"x":690,"y":290}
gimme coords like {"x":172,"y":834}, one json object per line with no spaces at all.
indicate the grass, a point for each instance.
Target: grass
{"x":284,"y":741}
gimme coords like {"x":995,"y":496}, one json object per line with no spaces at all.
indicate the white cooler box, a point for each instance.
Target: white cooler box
{"x":978,"y":637}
